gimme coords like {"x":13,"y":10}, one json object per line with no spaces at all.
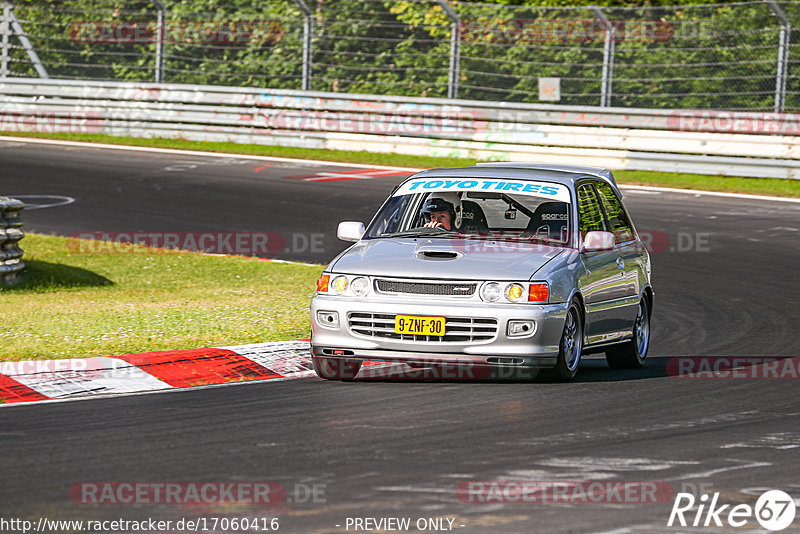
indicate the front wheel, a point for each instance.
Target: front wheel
{"x":335,"y":368}
{"x":571,"y":345}
{"x":633,"y":353}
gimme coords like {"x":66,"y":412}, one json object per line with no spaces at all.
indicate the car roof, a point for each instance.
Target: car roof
{"x":562,"y":174}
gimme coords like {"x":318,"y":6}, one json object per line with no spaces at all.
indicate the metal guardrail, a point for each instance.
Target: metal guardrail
{"x":713,"y":55}
{"x":11,"y":263}
{"x":706,"y":142}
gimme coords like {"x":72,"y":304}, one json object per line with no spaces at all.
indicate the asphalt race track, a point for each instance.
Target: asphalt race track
{"x":125,"y":191}
{"x":725,"y":274}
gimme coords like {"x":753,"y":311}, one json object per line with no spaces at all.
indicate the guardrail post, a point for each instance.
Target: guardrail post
{"x":783,"y":56}
{"x":10,"y":234}
{"x":161,"y":39}
{"x":16,"y":27}
{"x":609,"y":43}
{"x":455,"y":48}
{"x":308,"y":33}
{"x":5,"y":52}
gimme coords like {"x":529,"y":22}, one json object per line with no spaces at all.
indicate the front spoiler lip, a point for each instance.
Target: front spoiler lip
{"x":433,"y":357}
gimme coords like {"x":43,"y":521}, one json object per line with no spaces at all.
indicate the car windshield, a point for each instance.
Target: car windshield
{"x":530,"y":212}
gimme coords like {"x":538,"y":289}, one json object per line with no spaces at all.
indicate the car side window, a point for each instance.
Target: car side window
{"x":618,"y":219}
{"x":589,"y":214}
{"x":393,"y":216}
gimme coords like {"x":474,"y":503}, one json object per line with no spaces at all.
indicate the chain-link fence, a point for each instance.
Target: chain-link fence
{"x":714,"y":56}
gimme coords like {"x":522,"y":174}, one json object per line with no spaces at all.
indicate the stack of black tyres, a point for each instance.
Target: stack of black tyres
{"x":11,"y":233}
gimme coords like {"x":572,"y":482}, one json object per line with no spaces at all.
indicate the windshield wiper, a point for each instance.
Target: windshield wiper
{"x":424,"y":231}
{"x":544,"y":240}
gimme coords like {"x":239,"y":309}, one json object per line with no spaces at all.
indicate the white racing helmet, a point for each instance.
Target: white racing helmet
{"x":450,"y":202}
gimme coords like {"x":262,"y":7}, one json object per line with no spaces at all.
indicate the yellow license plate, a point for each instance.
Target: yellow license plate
{"x":415,"y":324}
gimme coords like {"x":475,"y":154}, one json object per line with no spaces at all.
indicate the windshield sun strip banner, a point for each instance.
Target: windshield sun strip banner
{"x":494,"y":185}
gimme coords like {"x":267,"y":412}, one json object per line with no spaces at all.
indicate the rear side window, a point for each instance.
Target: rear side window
{"x":617,"y":217}
{"x":589,"y":213}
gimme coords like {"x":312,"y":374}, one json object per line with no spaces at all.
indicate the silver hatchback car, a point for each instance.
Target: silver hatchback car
{"x":496,"y":265}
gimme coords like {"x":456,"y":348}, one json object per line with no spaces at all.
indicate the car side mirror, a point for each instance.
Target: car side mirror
{"x":596,"y":241}
{"x":350,"y":231}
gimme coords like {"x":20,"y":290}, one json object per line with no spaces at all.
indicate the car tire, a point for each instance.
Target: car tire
{"x":335,"y":368}
{"x":571,"y":344}
{"x":633,"y":353}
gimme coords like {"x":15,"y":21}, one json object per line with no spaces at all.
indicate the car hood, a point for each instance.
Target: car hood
{"x":462,"y":259}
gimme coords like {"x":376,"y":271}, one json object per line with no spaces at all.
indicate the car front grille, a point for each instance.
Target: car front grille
{"x":456,"y":330}
{"x":427,"y":288}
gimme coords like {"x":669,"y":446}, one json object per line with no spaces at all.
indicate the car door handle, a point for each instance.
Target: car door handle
{"x":620,"y":263}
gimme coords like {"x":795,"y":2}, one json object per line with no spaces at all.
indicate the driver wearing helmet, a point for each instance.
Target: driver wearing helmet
{"x":443,"y":210}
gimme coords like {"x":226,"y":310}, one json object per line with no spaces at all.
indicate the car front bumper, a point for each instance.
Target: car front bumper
{"x":538,"y":348}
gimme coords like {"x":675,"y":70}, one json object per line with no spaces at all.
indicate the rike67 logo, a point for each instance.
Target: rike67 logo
{"x":774,"y":511}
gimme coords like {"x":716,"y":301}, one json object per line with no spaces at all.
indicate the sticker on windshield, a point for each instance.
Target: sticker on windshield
{"x":518,"y":187}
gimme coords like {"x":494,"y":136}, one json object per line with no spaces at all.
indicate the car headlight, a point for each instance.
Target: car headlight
{"x":329,"y":284}
{"x":359,"y":286}
{"x":339,"y":285}
{"x":491,"y":292}
{"x":515,"y":293}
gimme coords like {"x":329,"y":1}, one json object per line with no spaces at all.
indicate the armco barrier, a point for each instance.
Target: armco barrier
{"x":706,"y":142}
{"x":10,"y":234}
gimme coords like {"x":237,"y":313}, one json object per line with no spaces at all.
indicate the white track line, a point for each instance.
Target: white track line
{"x":708,"y":193}
{"x":175,"y":151}
{"x":357,"y":165}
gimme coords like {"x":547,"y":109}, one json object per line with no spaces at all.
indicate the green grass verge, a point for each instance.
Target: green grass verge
{"x":71,"y":304}
{"x":754,"y":186}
